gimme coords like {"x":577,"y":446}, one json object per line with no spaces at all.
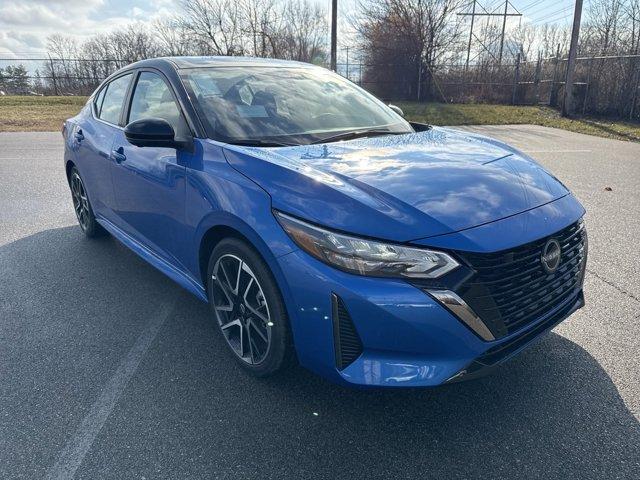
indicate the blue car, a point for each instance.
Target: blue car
{"x":321,"y":226}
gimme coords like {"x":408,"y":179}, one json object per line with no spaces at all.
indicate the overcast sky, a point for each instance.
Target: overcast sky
{"x":25,"y":24}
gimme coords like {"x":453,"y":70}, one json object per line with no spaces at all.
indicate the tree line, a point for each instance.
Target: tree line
{"x":407,"y":49}
{"x":285,"y":29}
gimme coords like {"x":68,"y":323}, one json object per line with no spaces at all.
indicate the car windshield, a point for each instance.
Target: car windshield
{"x":286,"y":105}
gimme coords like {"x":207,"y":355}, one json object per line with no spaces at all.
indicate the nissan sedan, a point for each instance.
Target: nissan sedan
{"x":322,"y":227}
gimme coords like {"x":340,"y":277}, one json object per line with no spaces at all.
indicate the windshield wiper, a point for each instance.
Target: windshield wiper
{"x":356,"y":134}
{"x":257,"y":142}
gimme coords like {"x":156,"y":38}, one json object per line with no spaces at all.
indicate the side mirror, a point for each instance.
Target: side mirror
{"x":396,"y":109}
{"x":151,"y":132}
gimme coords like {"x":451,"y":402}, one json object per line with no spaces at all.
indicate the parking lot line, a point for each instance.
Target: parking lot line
{"x":557,"y":151}
{"x":79,"y":444}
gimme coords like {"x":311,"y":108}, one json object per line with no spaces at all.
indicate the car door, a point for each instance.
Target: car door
{"x":94,"y":135}
{"x":149,"y":182}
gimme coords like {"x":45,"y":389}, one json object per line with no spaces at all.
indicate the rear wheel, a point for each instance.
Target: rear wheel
{"x":248,"y":308}
{"x":84,"y":213}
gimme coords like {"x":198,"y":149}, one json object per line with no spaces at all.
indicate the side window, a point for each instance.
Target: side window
{"x":97,"y":102}
{"x":152,"y":99}
{"x":114,"y":99}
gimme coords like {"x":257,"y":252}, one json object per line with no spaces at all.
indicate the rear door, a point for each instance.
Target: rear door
{"x":149,"y":182}
{"x":94,"y":135}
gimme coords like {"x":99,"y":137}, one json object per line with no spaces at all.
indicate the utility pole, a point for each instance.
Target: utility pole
{"x":504,"y":26}
{"x":473,"y":16}
{"x":567,"y":105}
{"x":485,"y":13}
{"x":334,"y":34}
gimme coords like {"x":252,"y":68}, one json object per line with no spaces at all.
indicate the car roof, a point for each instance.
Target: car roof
{"x":202,"y":62}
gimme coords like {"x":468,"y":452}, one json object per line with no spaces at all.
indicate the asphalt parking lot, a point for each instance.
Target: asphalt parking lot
{"x":110,"y":370}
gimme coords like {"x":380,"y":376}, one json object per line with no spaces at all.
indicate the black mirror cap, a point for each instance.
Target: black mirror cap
{"x":151,"y":132}
{"x":420,"y":127}
{"x":396,"y":109}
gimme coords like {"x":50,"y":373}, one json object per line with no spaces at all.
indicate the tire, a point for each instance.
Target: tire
{"x":81,"y":205}
{"x":248,"y":308}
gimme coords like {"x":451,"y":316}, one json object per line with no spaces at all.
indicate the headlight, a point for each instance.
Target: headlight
{"x":366,"y":257}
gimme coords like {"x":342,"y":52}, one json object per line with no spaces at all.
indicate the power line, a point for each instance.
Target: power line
{"x":553,"y":14}
{"x":551,"y":19}
{"x":540,"y":10}
{"x":489,"y":14}
{"x":533,"y":4}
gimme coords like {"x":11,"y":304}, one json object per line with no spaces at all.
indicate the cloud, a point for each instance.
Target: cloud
{"x":25,"y":25}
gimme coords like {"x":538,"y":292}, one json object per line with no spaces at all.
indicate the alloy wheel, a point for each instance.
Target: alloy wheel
{"x":241,"y":309}
{"x":80,"y":200}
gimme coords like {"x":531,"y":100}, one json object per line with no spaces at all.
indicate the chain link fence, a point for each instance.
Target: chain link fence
{"x":604,"y":85}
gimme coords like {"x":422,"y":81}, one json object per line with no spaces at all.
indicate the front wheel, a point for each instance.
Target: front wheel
{"x":248,"y":308}
{"x":84,"y":213}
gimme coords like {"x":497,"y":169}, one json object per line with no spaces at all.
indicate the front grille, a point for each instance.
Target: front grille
{"x":347,"y":343}
{"x":488,"y":360}
{"x":510,"y":289}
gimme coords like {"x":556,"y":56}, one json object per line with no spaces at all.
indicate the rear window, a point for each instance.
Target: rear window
{"x":113,"y":100}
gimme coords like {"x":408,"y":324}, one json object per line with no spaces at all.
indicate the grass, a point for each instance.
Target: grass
{"x":37,"y":114}
{"x":481,"y":114}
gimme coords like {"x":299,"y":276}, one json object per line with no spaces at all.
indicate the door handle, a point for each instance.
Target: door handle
{"x":118,"y":155}
{"x":79,"y":135}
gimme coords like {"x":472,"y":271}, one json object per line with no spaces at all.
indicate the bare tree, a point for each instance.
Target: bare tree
{"x":632,"y":11}
{"x":217,"y":23}
{"x":411,"y":37}
{"x":305,"y":32}
{"x":603,"y":27}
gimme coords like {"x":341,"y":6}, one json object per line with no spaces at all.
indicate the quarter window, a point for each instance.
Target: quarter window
{"x":152,"y":98}
{"x":98,"y":101}
{"x":114,"y":99}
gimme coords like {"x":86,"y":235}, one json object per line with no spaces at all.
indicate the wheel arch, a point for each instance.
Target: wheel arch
{"x":68,"y":166}
{"x":224,"y":225}
{"x":210,"y":239}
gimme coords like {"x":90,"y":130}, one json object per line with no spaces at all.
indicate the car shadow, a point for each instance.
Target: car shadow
{"x":553,"y":412}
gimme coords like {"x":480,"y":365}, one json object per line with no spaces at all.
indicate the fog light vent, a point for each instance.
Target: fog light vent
{"x":347,"y":343}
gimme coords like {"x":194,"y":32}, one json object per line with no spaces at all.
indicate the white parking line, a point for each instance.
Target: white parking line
{"x":557,"y":151}
{"x":77,"y":446}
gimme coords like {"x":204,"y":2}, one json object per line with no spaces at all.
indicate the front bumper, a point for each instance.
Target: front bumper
{"x":408,"y":338}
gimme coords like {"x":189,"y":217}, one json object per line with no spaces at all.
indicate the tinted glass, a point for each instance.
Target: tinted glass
{"x":114,"y":98}
{"x":152,"y":98}
{"x":287,"y":103}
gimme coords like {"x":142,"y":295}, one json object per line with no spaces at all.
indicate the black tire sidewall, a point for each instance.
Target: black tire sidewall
{"x":93,"y":229}
{"x":280,"y":354}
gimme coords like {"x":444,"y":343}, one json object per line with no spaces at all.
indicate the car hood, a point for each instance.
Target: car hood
{"x":400,"y":187}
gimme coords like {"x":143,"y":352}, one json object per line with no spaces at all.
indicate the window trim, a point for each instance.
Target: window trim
{"x":95,"y":108}
{"x":126,"y":96}
{"x":163,"y":77}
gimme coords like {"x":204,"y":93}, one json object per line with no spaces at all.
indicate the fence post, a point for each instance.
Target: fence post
{"x":419,"y":77}
{"x":635,"y":90}
{"x":536,"y":78}
{"x":553,"y":96}
{"x":53,"y":76}
{"x":587,"y":87}
{"x":516,"y":80}
{"x":347,"y":75}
